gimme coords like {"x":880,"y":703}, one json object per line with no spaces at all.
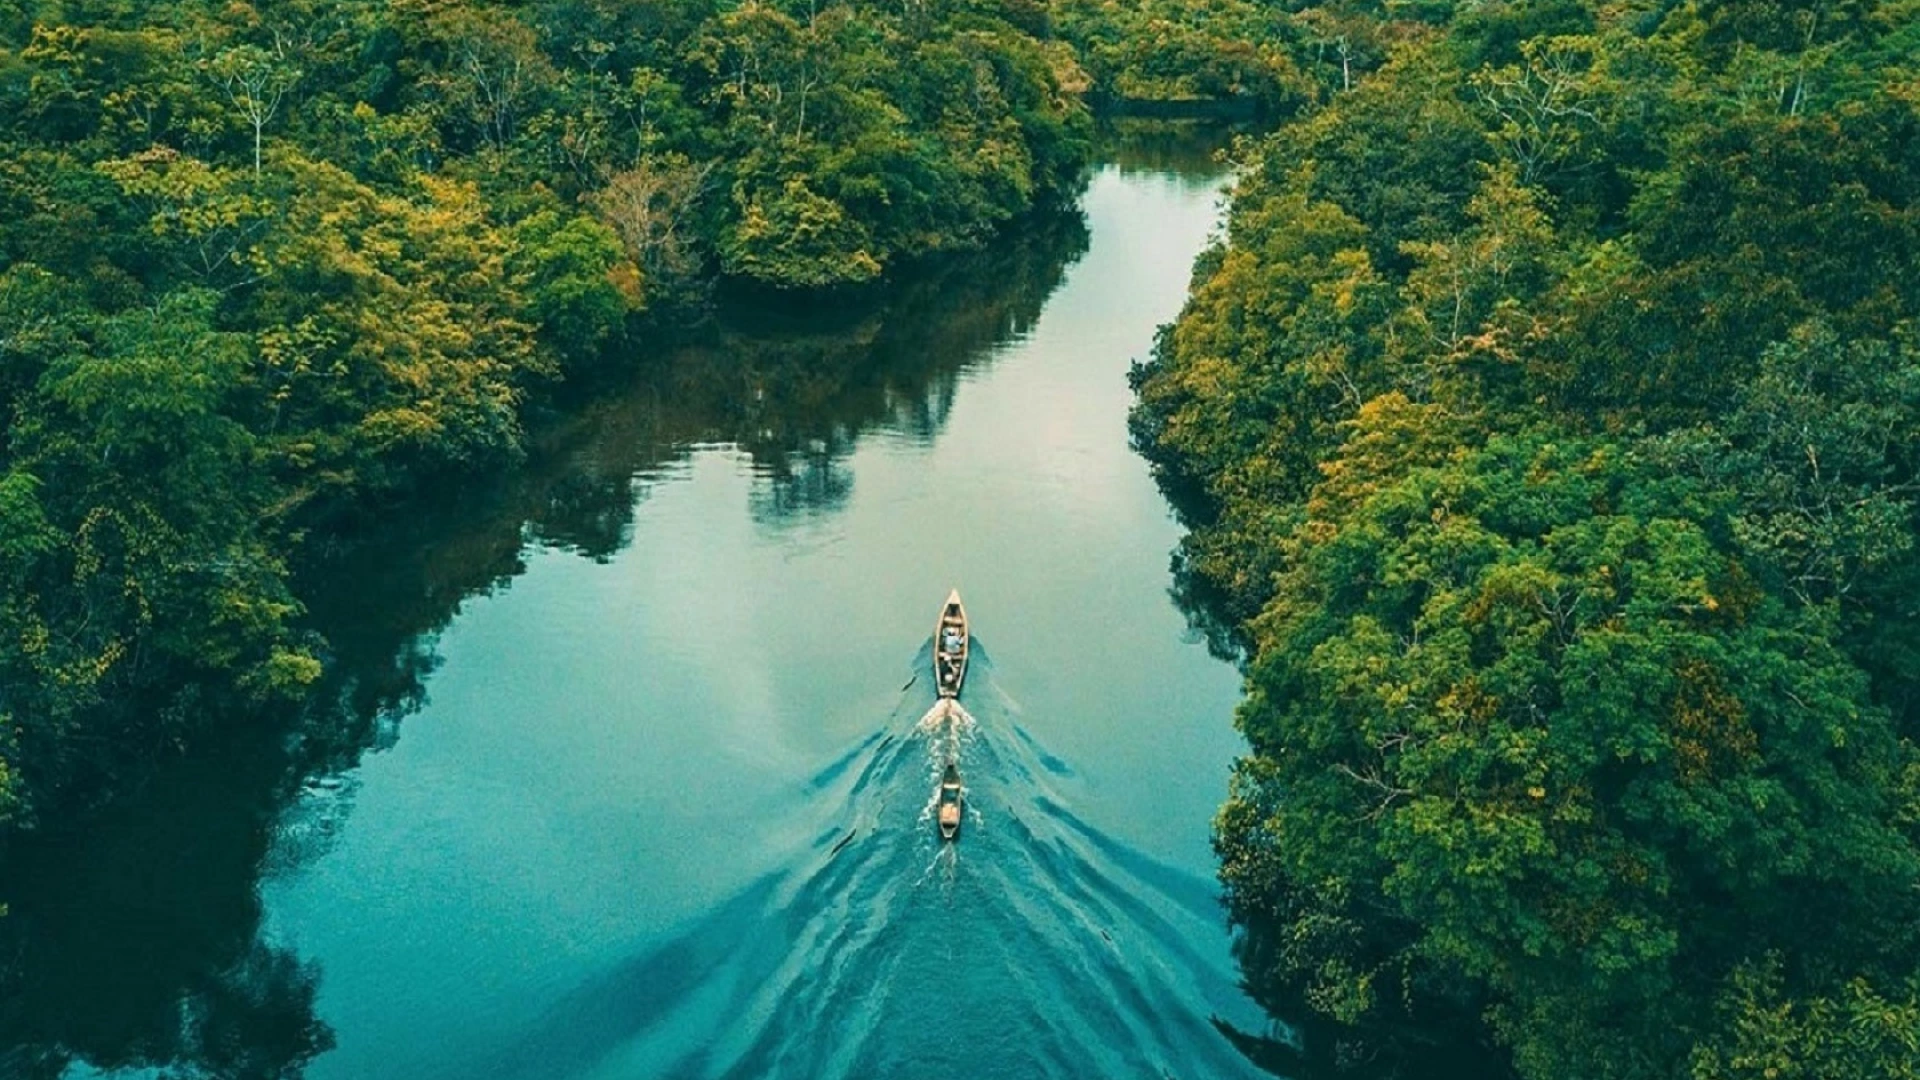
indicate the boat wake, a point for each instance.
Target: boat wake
{"x":1035,"y":946}
{"x":947,"y":718}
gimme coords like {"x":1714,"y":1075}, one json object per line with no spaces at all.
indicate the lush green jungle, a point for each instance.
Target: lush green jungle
{"x":1548,"y":420}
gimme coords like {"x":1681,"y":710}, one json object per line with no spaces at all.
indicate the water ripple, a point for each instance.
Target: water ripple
{"x":1035,"y":946}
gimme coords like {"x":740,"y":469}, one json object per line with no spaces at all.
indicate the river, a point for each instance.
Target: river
{"x":621,"y":771}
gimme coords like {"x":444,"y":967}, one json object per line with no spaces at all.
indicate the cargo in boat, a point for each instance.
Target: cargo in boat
{"x":950,"y":644}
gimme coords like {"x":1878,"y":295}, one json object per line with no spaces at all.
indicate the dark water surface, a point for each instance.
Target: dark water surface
{"x":622,"y":774}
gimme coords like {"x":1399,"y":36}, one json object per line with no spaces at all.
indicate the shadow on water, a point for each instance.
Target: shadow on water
{"x":1168,"y":147}
{"x":137,"y":942}
{"x":1075,"y":954}
{"x":133,"y":942}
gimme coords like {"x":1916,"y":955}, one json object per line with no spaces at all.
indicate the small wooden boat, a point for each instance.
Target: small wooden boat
{"x":950,"y":802}
{"x":950,"y":647}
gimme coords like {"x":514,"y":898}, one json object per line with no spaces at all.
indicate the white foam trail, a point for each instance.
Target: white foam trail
{"x":935,"y":716}
{"x":948,"y":728}
{"x":940,"y":867}
{"x":946,"y":712}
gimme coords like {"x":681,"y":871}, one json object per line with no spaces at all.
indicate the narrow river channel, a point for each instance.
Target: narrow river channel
{"x":624,"y":777}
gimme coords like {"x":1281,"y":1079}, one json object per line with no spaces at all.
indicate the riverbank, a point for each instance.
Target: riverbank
{"x":1545,"y":427}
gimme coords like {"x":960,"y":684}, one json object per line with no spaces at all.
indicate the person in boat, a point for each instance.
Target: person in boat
{"x":950,"y":639}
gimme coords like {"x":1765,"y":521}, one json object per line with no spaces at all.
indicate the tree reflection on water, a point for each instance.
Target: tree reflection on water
{"x":136,"y":942}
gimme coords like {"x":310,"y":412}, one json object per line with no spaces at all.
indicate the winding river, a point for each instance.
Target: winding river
{"x":622,"y":772}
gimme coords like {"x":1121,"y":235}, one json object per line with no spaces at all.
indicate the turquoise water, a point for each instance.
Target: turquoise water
{"x":624,"y":774}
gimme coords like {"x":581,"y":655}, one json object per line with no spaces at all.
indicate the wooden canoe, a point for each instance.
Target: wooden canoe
{"x":950,"y":643}
{"x":950,"y":802}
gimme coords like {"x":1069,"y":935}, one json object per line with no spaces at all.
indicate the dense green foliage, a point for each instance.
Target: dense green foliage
{"x":1264,"y":56}
{"x":1550,"y":425}
{"x":264,"y":267}
{"x":1170,"y":51}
